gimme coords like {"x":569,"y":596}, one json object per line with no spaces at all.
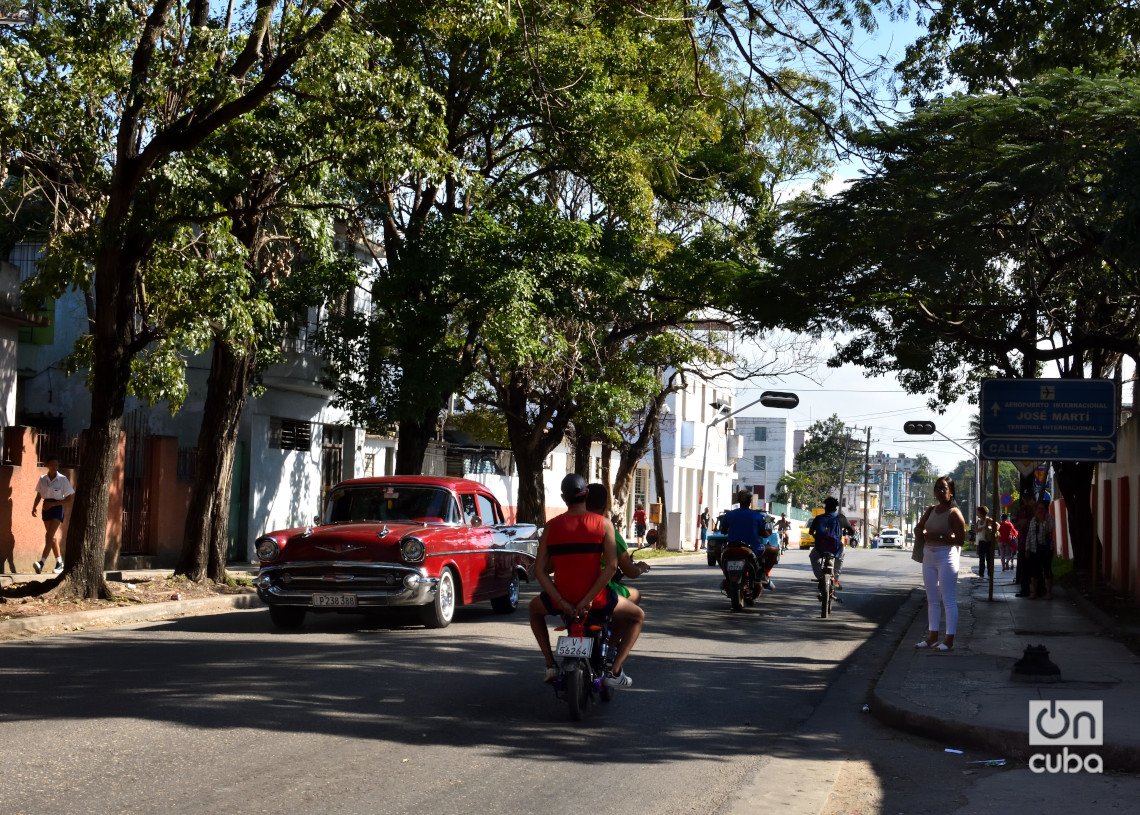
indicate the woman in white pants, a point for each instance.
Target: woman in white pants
{"x":944,"y":529}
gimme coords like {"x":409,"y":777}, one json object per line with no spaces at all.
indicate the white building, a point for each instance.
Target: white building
{"x":769,"y":452}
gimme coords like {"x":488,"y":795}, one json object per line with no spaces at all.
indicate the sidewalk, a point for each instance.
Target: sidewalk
{"x":145,"y":612}
{"x":966,"y":697}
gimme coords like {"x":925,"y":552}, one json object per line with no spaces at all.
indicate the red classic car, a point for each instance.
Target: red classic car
{"x":398,"y":541}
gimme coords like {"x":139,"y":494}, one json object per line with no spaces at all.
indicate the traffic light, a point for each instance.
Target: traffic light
{"x":778,"y":399}
{"x":919,"y":428}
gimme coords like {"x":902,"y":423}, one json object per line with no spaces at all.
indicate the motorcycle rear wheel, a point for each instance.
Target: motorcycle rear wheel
{"x":577,"y":683}
{"x":736,"y":596}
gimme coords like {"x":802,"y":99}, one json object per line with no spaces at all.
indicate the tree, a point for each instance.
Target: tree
{"x":973,"y":251}
{"x":819,"y":463}
{"x":119,"y":94}
{"x":991,"y":45}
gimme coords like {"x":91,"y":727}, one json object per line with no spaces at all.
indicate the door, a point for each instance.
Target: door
{"x":332,"y":462}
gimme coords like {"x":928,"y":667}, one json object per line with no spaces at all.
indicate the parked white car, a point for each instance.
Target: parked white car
{"x":891,"y":538}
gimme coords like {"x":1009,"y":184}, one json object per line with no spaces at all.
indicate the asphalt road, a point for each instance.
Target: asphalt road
{"x":352,"y":715}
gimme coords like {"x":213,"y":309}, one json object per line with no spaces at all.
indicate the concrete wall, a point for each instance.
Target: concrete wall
{"x":21,"y":535}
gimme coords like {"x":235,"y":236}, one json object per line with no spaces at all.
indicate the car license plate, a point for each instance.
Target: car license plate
{"x":734,"y":566}
{"x":575,"y":647}
{"x":334,"y":600}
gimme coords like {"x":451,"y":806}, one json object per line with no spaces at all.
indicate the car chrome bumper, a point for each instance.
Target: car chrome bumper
{"x":275,"y":589}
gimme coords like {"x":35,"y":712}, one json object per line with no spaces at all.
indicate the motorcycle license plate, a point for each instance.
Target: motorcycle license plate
{"x":334,"y":600}
{"x":575,"y":647}
{"x":734,"y":567}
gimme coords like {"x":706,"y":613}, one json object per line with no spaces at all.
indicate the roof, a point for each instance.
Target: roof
{"x":448,"y":482}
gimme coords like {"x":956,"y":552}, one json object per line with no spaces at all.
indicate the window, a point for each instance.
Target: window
{"x":760,"y":462}
{"x":759,"y":434}
{"x":487,"y":510}
{"x":290,"y":434}
{"x":469,"y":510}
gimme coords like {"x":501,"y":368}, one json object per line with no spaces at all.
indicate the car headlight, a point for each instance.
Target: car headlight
{"x":267,"y":549}
{"x":412,"y":549}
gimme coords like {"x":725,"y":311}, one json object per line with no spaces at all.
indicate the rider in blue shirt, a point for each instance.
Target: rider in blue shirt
{"x":745,"y":525}
{"x":828,"y":530}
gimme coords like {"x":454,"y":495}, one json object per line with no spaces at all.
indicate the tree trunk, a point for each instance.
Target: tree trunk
{"x":607,"y":452}
{"x":208,"y":513}
{"x":583,"y":444}
{"x":412,"y":444}
{"x":1074,"y":480}
{"x":532,"y":489}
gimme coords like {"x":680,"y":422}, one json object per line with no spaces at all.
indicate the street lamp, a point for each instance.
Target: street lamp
{"x":772,"y":399}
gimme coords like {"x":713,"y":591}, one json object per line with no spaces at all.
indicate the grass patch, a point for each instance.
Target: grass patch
{"x":649,"y":554}
{"x":1061,"y":567}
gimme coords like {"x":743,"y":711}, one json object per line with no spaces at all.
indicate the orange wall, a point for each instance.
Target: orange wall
{"x":21,"y":535}
{"x":169,"y":500}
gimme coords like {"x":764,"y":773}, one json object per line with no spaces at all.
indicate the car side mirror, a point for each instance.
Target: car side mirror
{"x":475,"y":521}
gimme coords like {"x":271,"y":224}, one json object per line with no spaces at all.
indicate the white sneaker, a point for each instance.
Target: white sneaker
{"x":58,"y":567}
{"x":621,"y":680}
{"x":38,"y":566}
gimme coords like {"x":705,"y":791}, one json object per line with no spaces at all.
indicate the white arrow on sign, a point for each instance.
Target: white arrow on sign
{"x":996,"y":409}
{"x":1100,"y":448}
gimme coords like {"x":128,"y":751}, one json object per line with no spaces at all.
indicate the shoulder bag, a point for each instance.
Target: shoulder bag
{"x":920,"y":536}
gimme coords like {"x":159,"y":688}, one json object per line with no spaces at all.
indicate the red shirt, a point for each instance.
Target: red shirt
{"x":574,"y":543}
{"x":639,"y":517}
{"x":1006,"y":532}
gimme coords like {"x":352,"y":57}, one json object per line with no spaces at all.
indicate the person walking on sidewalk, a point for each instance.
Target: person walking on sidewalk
{"x":56,"y":492}
{"x":984,"y":534}
{"x":1007,"y":533}
{"x":1039,"y":552}
{"x":943,"y":529}
{"x":1024,"y":515}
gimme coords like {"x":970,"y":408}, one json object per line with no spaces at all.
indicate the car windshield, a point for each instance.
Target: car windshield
{"x":393,"y":502}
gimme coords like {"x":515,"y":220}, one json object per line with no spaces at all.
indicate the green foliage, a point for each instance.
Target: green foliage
{"x":819,"y":463}
{"x":975,"y":249}
{"x":993,"y":45}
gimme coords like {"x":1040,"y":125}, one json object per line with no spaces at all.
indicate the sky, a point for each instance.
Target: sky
{"x":858,"y":399}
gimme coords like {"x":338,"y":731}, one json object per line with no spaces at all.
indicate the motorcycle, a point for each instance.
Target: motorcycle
{"x":585,"y":654}
{"x":826,"y":584}
{"x":741,"y":575}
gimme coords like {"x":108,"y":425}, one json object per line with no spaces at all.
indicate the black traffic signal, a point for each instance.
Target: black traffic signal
{"x":919,"y":428}
{"x":778,"y":399}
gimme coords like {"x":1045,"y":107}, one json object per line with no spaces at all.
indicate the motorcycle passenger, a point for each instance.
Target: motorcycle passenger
{"x":574,"y":546}
{"x":827,"y":530}
{"x":746,"y":526}
{"x":628,"y":616}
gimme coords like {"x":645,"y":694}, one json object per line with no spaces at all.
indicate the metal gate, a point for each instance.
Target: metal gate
{"x":136,"y":486}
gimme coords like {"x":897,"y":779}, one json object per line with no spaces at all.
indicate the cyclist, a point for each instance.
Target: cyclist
{"x":574,"y":546}
{"x":782,"y":526}
{"x":827,"y":530}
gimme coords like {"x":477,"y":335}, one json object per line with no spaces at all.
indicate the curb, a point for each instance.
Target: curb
{"x":890,"y":706}
{"x":149,"y":612}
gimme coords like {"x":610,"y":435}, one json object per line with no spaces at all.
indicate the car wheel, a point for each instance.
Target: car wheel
{"x":441,"y":610}
{"x":287,"y":616}
{"x":509,"y":601}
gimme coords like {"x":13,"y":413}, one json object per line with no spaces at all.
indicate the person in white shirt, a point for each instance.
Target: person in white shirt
{"x":56,"y":492}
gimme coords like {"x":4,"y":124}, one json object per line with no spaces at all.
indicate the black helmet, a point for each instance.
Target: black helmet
{"x":574,"y":489}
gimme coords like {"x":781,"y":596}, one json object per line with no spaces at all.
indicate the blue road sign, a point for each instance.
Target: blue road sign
{"x":1048,"y":408}
{"x":1007,"y":449}
{"x":1048,"y":419}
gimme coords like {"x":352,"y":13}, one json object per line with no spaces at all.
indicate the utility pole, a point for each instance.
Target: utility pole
{"x":843,"y":469}
{"x":866,"y":489}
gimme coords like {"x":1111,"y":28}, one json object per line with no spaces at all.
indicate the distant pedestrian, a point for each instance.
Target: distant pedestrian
{"x":985,"y":534}
{"x":1007,"y":536}
{"x":56,"y":492}
{"x":703,"y":522}
{"x":1039,"y":552}
{"x":1024,"y":515}
{"x":943,"y":529}
{"x":639,"y":524}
